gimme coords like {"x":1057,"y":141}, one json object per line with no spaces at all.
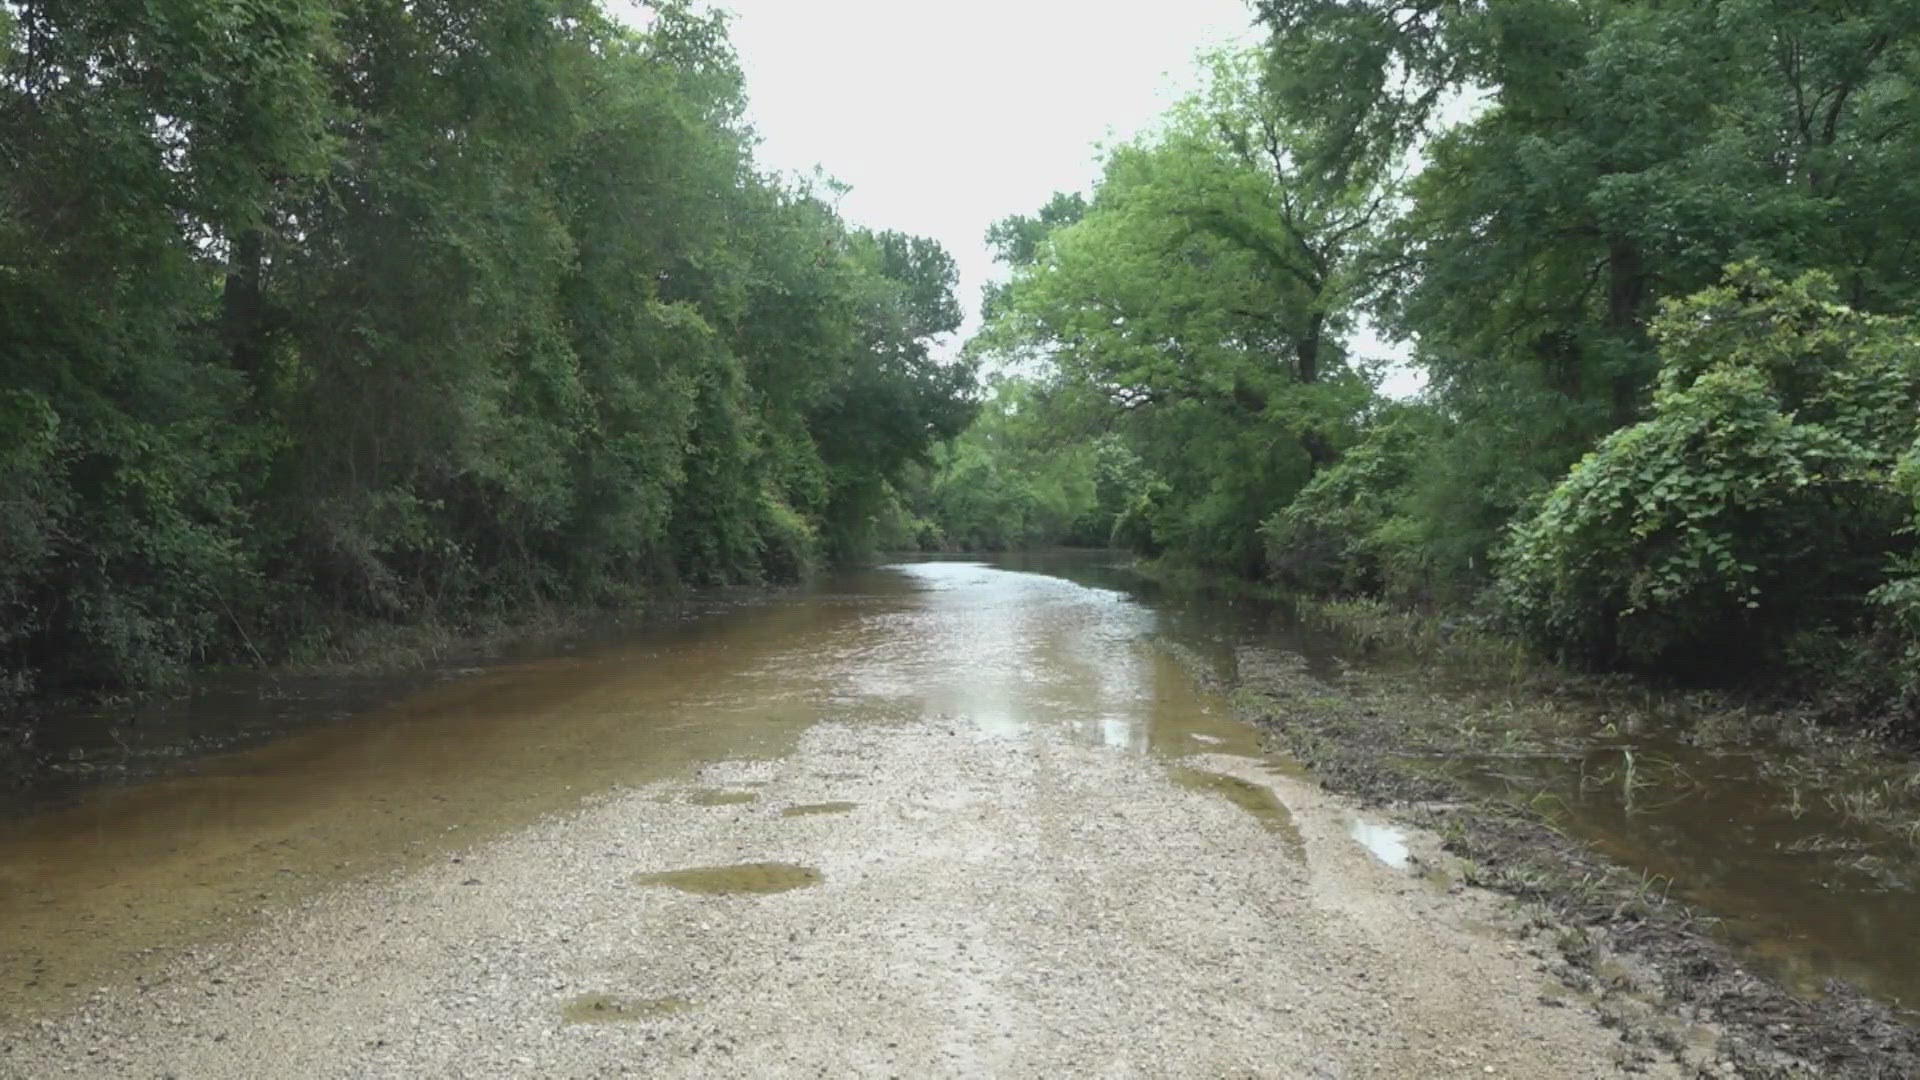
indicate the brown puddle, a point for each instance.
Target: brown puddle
{"x":1256,"y":799}
{"x":609,"y":1009}
{"x":810,"y":809}
{"x":754,"y":879}
{"x":717,"y":797}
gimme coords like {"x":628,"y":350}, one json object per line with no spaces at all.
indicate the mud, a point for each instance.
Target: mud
{"x":1623,"y":940}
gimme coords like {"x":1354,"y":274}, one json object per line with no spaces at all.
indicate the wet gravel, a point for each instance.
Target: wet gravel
{"x":1019,"y":905}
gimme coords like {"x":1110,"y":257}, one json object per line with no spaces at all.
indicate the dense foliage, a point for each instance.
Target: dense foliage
{"x":1656,"y":261}
{"x":1190,"y":310}
{"x":1755,"y":502}
{"x":325,"y":311}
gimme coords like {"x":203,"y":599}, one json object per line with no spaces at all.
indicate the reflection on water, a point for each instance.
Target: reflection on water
{"x":1806,"y":892}
{"x":1384,"y":842}
{"x":1005,"y":651}
{"x":1809,"y":893}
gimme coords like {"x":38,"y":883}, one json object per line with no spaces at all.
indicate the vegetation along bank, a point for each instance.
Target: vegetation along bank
{"x":326,"y":315}
{"x":1671,"y":368}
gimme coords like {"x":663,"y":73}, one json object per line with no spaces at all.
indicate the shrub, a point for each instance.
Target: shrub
{"x":1755,"y":500}
{"x":1345,"y":533}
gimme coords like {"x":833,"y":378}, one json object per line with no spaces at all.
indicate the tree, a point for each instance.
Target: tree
{"x":1201,"y":293}
{"x":1623,"y":153}
{"x":328,"y":311}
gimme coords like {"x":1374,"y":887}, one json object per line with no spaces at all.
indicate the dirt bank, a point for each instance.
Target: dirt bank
{"x":1641,"y":956}
{"x":1013,"y":904}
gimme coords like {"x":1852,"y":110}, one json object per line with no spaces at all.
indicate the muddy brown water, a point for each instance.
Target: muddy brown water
{"x":1805,"y":891}
{"x":102,"y":884}
{"x":342,"y":780}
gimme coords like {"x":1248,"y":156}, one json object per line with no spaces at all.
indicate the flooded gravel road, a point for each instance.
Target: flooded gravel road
{"x":939,"y":819}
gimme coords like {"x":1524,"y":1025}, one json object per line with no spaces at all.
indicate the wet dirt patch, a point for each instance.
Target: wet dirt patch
{"x":1390,"y":738}
{"x":721,"y":797}
{"x":741,"y":879}
{"x":1256,"y":799}
{"x":613,"y":1009}
{"x":811,"y":809}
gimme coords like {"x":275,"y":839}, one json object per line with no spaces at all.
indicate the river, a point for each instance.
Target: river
{"x":326,"y":783}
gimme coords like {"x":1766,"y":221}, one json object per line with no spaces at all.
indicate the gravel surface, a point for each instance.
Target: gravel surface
{"x":1020,"y":905}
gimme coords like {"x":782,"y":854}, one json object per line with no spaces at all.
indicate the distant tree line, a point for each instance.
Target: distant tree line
{"x":326,"y":312}
{"x":1658,"y":262}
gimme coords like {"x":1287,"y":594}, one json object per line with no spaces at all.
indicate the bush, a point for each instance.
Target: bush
{"x":1755,"y":501}
{"x":1345,"y":533}
{"x":789,"y":544}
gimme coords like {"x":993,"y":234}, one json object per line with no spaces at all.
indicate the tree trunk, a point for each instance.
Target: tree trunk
{"x":1307,"y":349}
{"x":242,"y":308}
{"x":1626,"y":296}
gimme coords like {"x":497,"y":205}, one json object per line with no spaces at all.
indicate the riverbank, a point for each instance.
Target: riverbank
{"x":1626,"y":939}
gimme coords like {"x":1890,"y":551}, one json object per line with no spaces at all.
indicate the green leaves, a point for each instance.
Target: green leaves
{"x":324,"y":310}
{"x":1756,"y":498}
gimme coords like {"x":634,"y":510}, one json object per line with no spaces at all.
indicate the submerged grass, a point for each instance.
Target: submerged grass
{"x":1420,"y":694}
{"x":1621,"y":935}
{"x":1515,"y":695}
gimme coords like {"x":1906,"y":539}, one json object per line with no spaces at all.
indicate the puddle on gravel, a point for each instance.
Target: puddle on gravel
{"x":810,"y":809}
{"x":739,"y":879}
{"x":1256,"y":799}
{"x":611,"y":1009}
{"x":1383,"y":842}
{"x":718,"y":797}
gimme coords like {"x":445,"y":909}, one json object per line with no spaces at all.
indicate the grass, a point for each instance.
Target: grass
{"x":1431,"y":714}
{"x":1377,"y":626}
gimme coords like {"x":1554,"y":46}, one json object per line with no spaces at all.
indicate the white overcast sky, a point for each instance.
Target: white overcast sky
{"x":946,"y":117}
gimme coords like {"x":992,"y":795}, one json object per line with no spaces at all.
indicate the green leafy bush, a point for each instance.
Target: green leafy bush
{"x":1346,"y":532}
{"x":1758,"y":499}
{"x":356,"y":319}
